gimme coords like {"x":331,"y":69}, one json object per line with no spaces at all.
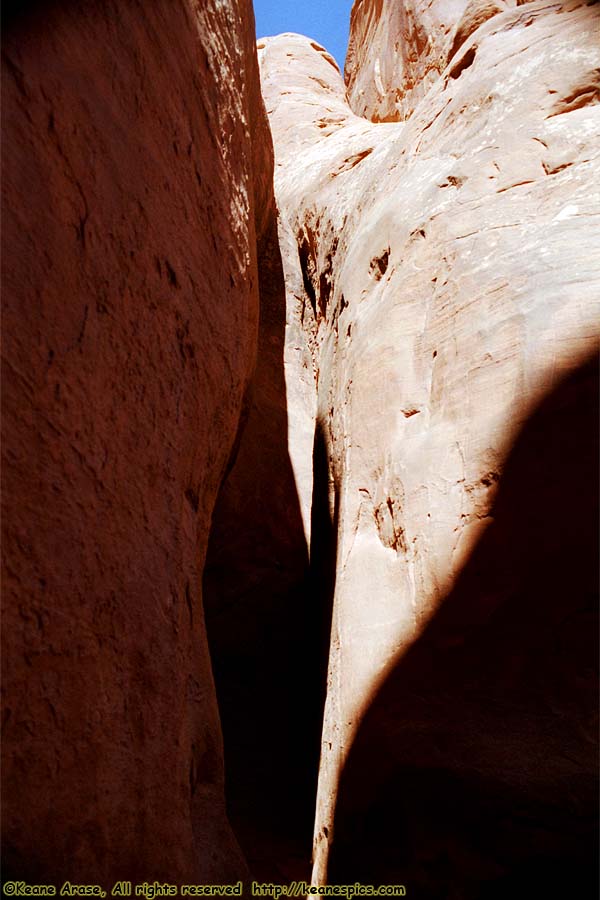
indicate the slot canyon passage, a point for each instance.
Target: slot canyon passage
{"x":300,"y":447}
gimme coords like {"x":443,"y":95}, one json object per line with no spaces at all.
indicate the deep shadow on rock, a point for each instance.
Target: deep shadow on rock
{"x":268,"y":613}
{"x":473,"y":773}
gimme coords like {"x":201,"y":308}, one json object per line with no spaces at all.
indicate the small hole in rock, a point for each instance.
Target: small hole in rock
{"x":379,"y":265}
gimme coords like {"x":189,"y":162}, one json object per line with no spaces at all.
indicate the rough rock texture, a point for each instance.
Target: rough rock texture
{"x":448,"y":279}
{"x":398,"y":49}
{"x":137,"y":177}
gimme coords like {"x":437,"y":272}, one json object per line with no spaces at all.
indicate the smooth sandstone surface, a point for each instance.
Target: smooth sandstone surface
{"x":137,"y":185}
{"x":446,"y":273}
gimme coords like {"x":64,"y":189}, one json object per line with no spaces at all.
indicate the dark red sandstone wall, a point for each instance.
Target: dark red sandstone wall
{"x":136,"y":162}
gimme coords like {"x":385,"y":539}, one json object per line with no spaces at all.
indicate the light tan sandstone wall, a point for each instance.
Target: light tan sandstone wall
{"x":451,"y":283}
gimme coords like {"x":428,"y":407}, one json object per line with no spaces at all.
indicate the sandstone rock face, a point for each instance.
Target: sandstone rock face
{"x":398,"y":49}
{"x":449,"y":293}
{"x":137,"y":182}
